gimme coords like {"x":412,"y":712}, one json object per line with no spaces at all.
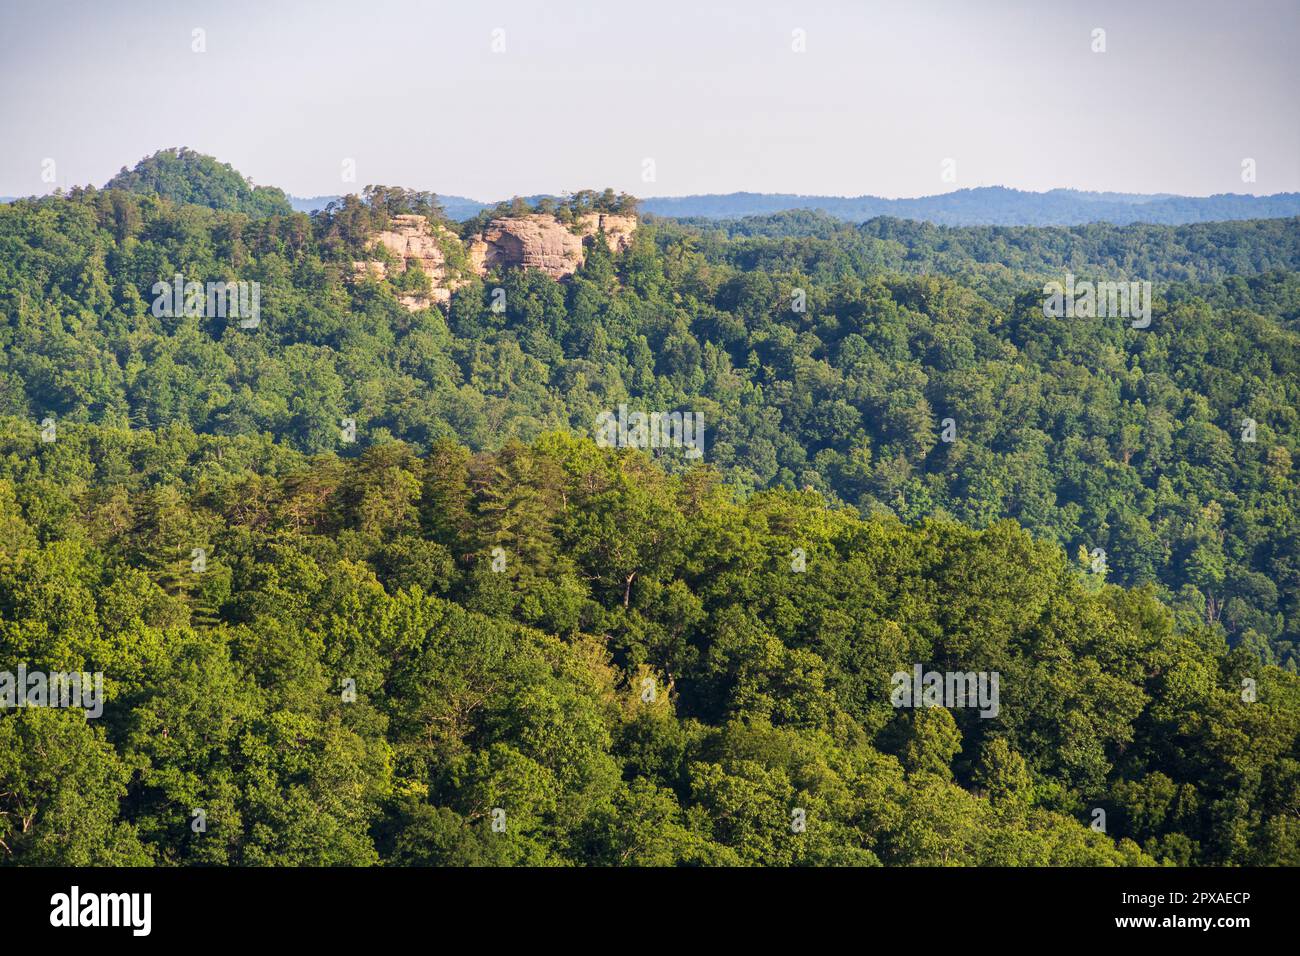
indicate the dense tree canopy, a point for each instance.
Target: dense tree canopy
{"x":645,"y":679}
{"x":471,"y":636}
{"x":1086,"y":431}
{"x":184,"y":176}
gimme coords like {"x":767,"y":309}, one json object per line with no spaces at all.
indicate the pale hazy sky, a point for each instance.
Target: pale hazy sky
{"x":584,"y":92}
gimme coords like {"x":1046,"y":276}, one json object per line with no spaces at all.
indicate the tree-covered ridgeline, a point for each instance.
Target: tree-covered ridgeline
{"x":559,"y":654}
{"x":184,"y":176}
{"x":361,"y":592}
{"x":1087,"y":432}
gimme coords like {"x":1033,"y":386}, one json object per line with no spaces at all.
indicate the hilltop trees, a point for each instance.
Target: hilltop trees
{"x":184,"y":176}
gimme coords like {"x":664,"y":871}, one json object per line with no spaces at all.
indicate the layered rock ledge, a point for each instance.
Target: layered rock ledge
{"x":534,"y":241}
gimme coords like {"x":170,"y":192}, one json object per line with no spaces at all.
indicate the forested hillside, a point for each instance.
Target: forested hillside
{"x":1088,"y":432}
{"x":620,"y":666}
{"x":425,"y":595}
{"x":184,"y":176}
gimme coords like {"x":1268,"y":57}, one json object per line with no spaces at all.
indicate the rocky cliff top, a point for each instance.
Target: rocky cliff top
{"x":540,"y":241}
{"x":534,"y":241}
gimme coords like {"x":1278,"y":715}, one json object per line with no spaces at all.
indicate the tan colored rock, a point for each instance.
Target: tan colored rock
{"x":540,"y":241}
{"x":531,"y":242}
{"x":416,"y":302}
{"x":535,"y":241}
{"x":415,"y":243}
{"x":618,"y":229}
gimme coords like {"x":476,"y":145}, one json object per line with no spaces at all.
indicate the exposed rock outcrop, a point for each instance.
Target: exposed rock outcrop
{"x":540,"y":241}
{"x":416,"y":243}
{"x":618,"y":228}
{"x":532,"y":242}
{"x":535,"y":241}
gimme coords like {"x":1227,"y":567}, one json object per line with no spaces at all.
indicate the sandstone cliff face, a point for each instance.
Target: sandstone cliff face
{"x":535,"y":241}
{"x":543,"y":242}
{"x":416,"y":243}
{"x":532,"y":242}
{"x":618,"y":229}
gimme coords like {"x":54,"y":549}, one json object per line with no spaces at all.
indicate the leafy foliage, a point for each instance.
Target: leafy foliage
{"x":524,"y":690}
{"x":501,"y":592}
{"x":184,"y":176}
{"x":1087,"y":432}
